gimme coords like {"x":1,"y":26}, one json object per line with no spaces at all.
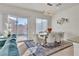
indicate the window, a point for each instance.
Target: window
{"x":22,"y":26}
{"x":41,"y":25}
{"x":12,"y":21}
{"x":19,"y":26}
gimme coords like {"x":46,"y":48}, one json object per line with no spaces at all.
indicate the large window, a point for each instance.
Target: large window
{"x":19,"y":26}
{"x":22,"y":26}
{"x":41,"y":24}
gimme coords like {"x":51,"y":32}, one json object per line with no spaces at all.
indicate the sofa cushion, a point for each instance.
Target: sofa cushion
{"x":9,"y":48}
{"x":2,"y":43}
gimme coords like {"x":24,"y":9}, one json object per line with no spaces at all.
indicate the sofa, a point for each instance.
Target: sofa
{"x":9,"y":48}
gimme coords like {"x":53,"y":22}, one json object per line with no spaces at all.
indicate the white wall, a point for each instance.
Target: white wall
{"x":72,"y":27}
{"x":31,"y":15}
{"x":1,"y":16}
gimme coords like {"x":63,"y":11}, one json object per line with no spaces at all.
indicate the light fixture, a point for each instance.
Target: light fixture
{"x":48,"y":10}
{"x":56,"y":4}
{"x":49,"y":4}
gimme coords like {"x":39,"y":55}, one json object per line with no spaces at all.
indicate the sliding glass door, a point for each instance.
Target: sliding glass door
{"x":22,"y":28}
{"x":19,"y":26}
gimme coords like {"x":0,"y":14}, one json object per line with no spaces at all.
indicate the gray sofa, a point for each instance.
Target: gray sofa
{"x":10,"y":47}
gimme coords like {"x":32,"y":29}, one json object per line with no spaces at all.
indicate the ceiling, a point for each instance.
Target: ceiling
{"x":43,"y":7}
